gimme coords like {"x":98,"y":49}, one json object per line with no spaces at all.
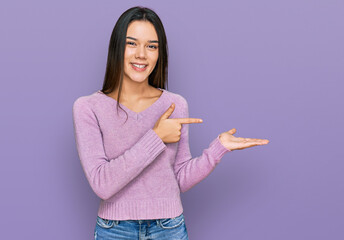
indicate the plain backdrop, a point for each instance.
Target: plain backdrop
{"x":271,"y":69}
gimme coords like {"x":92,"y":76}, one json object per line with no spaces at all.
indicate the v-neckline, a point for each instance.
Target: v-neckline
{"x":137,"y":115}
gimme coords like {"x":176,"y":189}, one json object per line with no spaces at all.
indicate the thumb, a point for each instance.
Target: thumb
{"x":232,"y":131}
{"x":168,"y":112}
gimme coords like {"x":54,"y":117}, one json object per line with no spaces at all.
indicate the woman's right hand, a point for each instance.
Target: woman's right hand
{"x":169,"y":129}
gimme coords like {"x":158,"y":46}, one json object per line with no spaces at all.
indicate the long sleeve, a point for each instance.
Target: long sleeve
{"x":190,"y":171}
{"x":108,"y":176}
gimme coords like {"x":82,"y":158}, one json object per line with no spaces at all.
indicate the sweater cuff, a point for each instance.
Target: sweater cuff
{"x":218,"y":149}
{"x":152,"y":144}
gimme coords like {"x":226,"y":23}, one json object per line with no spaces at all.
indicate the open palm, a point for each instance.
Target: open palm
{"x":237,"y":143}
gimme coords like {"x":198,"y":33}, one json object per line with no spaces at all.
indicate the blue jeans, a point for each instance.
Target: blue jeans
{"x":154,"y":229}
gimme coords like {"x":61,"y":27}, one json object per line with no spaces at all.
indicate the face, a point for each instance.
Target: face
{"x":141,"y":51}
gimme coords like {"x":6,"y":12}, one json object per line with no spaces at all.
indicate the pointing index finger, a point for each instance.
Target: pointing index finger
{"x":188,"y":120}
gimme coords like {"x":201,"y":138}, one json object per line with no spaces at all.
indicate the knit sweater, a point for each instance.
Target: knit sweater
{"x":128,"y":166}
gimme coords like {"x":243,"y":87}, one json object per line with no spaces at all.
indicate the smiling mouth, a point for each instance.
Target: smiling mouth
{"x":139,"y":67}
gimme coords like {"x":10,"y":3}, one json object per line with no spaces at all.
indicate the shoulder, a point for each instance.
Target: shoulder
{"x":87,"y":102}
{"x":90,"y":100}
{"x":177,"y":98}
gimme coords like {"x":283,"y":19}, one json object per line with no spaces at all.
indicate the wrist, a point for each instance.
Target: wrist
{"x":156,"y":131}
{"x":223,"y":143}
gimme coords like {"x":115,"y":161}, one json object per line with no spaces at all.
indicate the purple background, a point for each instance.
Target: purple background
{"x":271,"y":69}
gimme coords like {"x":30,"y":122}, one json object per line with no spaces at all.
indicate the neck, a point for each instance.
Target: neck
{"x":132,"y":91}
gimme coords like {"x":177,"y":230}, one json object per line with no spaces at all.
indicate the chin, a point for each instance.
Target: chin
{"x":138,"y":79}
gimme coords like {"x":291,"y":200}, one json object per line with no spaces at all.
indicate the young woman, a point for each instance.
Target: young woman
{"x":137,"y":159}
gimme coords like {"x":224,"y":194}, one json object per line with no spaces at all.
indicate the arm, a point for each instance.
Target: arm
{"x":190,"y":171}
{"x":108,"y":176}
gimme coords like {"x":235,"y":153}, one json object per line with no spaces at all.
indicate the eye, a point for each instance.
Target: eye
{"x":131,"y":43}
{"x":153,"y":46}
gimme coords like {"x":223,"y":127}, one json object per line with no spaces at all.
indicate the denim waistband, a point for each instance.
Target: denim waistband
{"x":139,"y":222}
{"x":146,"y":221}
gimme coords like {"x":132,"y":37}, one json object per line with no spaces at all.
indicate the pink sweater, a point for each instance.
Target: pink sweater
{"x":134,"y":173}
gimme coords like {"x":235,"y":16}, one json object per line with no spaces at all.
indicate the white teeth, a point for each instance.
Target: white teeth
{"x":139,"y":66}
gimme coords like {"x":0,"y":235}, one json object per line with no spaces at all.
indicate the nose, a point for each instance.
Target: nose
{"x":141,"y":52}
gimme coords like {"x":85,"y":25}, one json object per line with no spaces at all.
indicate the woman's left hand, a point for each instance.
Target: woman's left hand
{"x":237,"y":143}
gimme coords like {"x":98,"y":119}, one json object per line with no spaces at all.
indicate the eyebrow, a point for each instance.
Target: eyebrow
{"x":151,"y":41}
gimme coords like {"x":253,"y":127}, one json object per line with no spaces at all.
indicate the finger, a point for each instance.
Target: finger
{"x":257,"y":140}
{"x":168,"y":112}
{"x":250,"y":142}
{"x":258,"y":143}
{"x":188,"y":120}
{"x":232,"y":131}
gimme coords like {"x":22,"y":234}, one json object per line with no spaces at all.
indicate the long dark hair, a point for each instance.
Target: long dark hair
{"x":115,"y":61}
